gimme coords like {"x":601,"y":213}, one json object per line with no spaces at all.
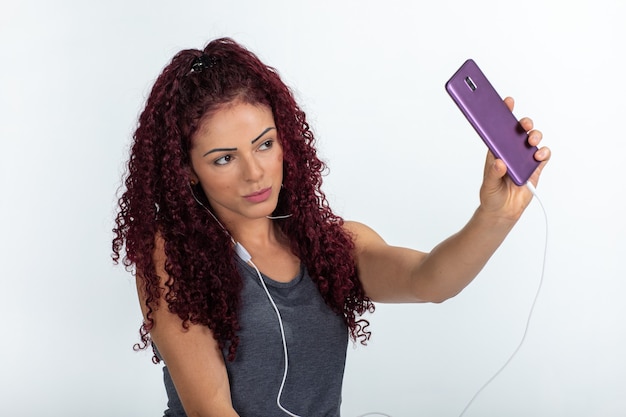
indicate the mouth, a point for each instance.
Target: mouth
{"x":259,"y":196}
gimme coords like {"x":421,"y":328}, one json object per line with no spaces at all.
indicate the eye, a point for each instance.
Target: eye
{"x":223,"y":160}
{"x":266,"y":145}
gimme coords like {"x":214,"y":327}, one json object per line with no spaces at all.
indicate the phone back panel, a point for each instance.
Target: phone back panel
{"x":493,"y":121}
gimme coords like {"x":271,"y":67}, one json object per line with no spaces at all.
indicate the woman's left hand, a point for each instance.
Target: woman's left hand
{"x":499,"y":195}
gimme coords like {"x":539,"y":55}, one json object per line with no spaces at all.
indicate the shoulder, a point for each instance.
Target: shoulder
{"x":356,"y":228}
{"x":362,"y":235}
{"x":159,"y":248}
{"x":155,"y":263}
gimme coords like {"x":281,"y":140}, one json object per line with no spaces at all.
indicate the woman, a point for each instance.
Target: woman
{"x":250,"y":286}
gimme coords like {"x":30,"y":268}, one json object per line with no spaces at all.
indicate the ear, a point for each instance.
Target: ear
{"x":193,"y":178}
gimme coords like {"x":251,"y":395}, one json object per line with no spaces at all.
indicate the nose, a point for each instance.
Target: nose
{"x":253,"y":170}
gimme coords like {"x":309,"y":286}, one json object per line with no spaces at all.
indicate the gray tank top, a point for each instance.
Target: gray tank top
{"x":316,"y":338}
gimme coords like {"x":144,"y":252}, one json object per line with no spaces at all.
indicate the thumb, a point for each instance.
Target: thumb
{"x":492,"y":186}
{"x":495,"y":168}
{"x":499,"y":168}
{"x":494,"y":172}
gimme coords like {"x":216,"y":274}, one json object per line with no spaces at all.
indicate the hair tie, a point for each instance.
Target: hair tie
{"x":202,"y":62}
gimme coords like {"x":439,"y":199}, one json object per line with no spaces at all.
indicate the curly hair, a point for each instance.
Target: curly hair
{"x":204,"y":284}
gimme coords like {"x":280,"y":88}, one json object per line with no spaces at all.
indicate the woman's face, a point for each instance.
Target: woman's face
{"x":237,"y":159}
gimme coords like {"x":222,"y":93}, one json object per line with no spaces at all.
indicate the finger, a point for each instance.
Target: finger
{"x":527,"y":124}
{"x":534,"y":137}
{"x":510,"y":103}
{"x":543,"y":154}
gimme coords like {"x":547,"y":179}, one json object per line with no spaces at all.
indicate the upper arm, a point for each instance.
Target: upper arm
{"x":386,"y":272}
{"x":191,"y":354}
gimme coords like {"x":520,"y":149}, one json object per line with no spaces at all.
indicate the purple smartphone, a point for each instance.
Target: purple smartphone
{"x":493,"y":121}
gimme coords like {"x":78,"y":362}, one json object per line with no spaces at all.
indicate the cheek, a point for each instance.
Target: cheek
{"x":279,"y":157}
{"x":215,"y":186}
{"x":278,"y":165}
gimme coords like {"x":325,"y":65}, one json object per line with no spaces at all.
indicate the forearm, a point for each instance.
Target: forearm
{"x":456,"y":261}
{"x":219,"y":410}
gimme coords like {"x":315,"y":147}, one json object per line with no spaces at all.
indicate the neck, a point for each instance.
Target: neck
{"x":254,"y":233}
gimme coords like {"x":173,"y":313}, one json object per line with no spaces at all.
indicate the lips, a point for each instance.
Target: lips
{"x":259,"y":196}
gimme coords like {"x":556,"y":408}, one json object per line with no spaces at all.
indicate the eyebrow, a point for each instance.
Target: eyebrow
{"x":267,"y":129}
{"x":262,"y":133}
{"x":220,"y":150}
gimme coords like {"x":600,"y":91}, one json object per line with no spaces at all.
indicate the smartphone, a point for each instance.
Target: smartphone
{"x":493,"y":121}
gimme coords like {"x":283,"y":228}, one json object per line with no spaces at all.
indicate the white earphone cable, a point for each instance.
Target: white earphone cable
{"x":282,"y":334}
{"x":530,"y":313}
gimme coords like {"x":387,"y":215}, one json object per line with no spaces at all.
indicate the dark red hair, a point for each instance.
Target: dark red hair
{"x":204,"y":284}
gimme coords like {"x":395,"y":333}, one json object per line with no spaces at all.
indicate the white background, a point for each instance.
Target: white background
{"x":73,"y":78}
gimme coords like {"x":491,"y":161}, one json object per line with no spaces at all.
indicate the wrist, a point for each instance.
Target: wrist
{"x":495,"y":218}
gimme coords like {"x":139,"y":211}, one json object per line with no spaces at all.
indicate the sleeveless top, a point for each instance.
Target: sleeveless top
{"x":316,"y":338}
